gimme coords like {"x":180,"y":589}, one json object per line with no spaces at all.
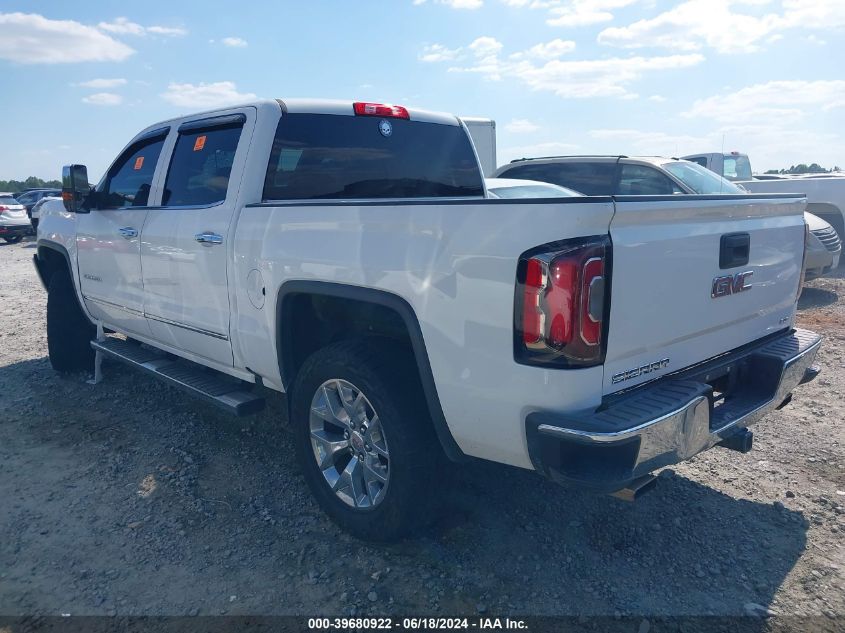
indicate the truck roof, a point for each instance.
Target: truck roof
{"x":307,"y":106}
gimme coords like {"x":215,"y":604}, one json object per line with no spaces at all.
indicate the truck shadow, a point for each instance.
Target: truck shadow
{"x":683,"y":548}
{"x":816,"y":298}
{"x":135,"y":476}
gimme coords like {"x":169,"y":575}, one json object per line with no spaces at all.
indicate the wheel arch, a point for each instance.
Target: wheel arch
{"x":48,"y":258}
{"x":386,"y":302}
{"x":829,"y":211}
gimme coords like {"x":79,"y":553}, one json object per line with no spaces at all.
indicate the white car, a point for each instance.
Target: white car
{"x":511,"y":188}
{"x":824,"y":247}
{"x":14,"y":224}
{"x":347,"y":254}
{"x":35,"y":213}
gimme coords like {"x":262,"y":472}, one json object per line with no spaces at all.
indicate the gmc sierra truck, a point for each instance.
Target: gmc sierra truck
{"x":348,"y":255}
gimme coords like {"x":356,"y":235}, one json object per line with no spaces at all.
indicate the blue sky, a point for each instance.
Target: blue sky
{"x":559,"y":76}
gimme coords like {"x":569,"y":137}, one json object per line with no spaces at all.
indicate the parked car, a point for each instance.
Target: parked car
{"x":13,"y":221}
{"x":664,"y":176}
{"x":35,"y":212}
{"x":30,"y":197}
{"x":620,"y":175}
{"x":512,"y":188}
{"x":824,"y":247}
{"x":346,"y":253}
{"x":825,"y":192}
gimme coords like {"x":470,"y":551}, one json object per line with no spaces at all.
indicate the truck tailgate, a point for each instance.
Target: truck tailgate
{"x":666,"y":259}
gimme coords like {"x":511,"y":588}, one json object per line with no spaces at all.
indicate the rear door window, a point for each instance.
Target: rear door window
{"x":202,"y":163}
{"x":323,"y":156}
{"x":591,"y":179}
{"x":641,"y":180}
{"x":129,"y":180}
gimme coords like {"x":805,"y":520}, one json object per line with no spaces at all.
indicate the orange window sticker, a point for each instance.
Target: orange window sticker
{"x":139,"y":162}
{"x":199,"y":143}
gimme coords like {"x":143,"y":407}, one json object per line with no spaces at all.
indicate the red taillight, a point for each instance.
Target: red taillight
{"x":532,"y":316}
{"x":562,"y":294}
{"x":3,"y":208}
{"x":380,"y":109}
{"x":561,"y":301}
{"x":592,"y":300}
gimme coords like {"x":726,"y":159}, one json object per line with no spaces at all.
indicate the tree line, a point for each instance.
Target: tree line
{"x":803,"y":168}
{"x":33,"y":182}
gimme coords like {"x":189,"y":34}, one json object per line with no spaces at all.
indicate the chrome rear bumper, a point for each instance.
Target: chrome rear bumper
{"x":673,"y":418}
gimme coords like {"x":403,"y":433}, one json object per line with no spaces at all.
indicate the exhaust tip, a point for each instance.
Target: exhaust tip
{"x":636,"y":488}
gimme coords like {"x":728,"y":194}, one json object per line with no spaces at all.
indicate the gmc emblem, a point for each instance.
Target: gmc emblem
{"x":730,"y":284}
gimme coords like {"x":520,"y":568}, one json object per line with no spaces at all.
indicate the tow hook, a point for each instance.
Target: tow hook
{"x":636,"y":488}
{"x":741,"y":441}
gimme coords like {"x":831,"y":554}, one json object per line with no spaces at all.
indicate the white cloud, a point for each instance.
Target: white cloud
{"x":585,"y":12}
{"x":637,"y":142}
{"x":438,"y":53}
{"x":657,"y":98}
{"x":124,"y":26}
{"x":103,"y":99}
{"x":550,"y":50}
{"x":725,"y":25}
{"x":573,"y":13}
{"x":121,"y":26}
{"x":456,"y":4}
{"x":234,"y":42}
{"x":550,"y":148}
{"x":814,"y":14}
{"x":101,"y":83}
{"x":521,"y":126}
{"x":777,"y":102}
{"x":169,"y":31}
{"x":204,"y":95}
{"x":608,"y":77}
{"x":778,"y":123}
{"x":29,"y":38}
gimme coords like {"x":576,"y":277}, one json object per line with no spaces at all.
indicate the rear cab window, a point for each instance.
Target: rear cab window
{"x":202,"y":161}
{"x":737,"y":167}
{"x":591,"y":179}
{"x":327,"y":156}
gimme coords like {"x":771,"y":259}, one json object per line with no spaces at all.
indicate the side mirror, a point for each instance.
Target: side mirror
{"x":75,"y":188}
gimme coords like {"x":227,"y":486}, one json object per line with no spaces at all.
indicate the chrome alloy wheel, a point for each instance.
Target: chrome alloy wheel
{"x":349,"y":444}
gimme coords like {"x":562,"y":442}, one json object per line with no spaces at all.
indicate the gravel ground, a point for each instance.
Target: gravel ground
{"x":130,"y":498}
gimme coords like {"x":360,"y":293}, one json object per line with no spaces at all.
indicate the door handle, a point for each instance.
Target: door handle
{"x":208,"y":239}
{"x":128,"y":232}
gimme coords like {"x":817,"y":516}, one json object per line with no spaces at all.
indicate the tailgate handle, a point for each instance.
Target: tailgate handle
{"x":734,"y":249}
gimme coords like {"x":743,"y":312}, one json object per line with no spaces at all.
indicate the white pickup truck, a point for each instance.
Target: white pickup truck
{"x":825,"y":193}
{"x":347,"y":254}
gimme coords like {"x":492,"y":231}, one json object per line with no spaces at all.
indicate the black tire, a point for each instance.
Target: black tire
{"x":69,"y":332}
{"x":386,"y":375}
{"x":14,"y":239}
